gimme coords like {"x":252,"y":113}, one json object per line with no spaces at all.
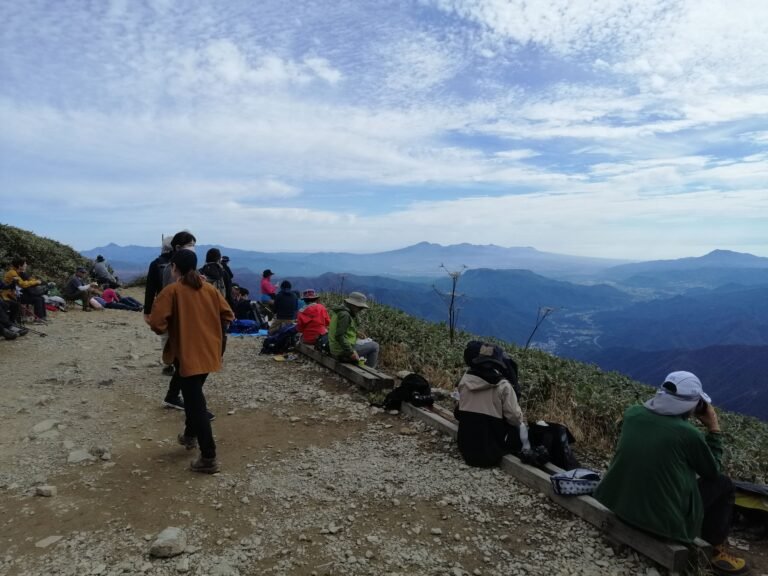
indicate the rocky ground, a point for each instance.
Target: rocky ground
{"x":313,"y":480}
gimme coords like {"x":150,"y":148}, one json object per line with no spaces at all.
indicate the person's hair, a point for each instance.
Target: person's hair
{"x":285,"y":285}
{"x":243,"y":291}
{"x":213,"y":255}
{"x":18,"y":262}
{"x":186,"y":264}
{"x":182,"y":239}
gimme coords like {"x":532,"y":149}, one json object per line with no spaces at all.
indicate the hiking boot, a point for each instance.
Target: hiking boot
{"x":168,"y":370}
{"x":211,"y":416}
{"x":9,"y":334}
{"x":189,"y":442}
{"x":176,"y":403}
{"x":20,"y":330}
{"x":722,"y":562}
{"x":204,"y":465}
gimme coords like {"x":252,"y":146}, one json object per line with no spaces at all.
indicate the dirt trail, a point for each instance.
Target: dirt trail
{"x":313,"y":480}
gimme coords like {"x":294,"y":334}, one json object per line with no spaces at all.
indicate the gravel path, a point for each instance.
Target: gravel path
{"x":313,"y":481}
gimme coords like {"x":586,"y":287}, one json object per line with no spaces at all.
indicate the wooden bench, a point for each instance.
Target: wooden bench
{"x":671,"y":555}
{"x":364,"y":376}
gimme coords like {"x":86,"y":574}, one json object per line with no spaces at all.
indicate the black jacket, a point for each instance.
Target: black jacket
{"x":286,"y":303}
{"x":155,"y":279}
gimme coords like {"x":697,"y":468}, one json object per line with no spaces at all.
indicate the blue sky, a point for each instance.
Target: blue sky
{"x":602,"y":128}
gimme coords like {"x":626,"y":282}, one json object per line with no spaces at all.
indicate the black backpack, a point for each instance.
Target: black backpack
{"x":281,"y":341}
{"x":414,"y":388}
{"x":214,"y":273}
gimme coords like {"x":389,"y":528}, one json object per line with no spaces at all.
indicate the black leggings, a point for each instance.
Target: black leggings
{"x":38,"y":303}
{"x":718,"y":496}
{"x":197,"y":425}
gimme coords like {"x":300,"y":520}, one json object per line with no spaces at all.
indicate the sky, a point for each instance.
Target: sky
{"x":607,"y":128}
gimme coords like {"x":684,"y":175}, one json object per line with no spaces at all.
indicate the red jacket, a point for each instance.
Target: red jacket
{"x":312,"y":322}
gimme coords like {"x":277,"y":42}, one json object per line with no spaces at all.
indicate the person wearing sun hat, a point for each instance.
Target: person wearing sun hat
{"x":652,"y":483}
{"x":346,"y":341}
{"x":313,"y":320}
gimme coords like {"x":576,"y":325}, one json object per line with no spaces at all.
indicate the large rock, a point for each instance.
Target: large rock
{"x":77,"y":456}
{"x":44,"y":426}
{"x":170,"y":542}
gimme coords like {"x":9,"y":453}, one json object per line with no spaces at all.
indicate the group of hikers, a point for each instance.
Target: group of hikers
{"x":665,"y":477}
{"x":24,"y":296}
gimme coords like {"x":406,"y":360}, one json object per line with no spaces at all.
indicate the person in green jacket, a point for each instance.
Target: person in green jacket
{"x":652,"y":480}
{"x":345,"y":340}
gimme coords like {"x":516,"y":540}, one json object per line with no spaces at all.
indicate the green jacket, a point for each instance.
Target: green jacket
{"x":342,"y":332}
{"x":651,"y":482}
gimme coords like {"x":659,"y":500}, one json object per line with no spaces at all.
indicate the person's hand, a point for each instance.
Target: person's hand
{"x":355,"y":357}
{"x":146,"y":318}
{"x":708,"y":417}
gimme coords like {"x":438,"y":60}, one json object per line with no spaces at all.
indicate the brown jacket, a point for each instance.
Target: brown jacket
{"x":193,"y":320}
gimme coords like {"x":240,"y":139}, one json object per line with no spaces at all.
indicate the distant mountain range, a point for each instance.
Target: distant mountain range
{"x":707,"y":314}
{"x":420,"y":260}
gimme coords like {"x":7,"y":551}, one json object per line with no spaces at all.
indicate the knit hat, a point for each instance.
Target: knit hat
{"x":680,"y":392}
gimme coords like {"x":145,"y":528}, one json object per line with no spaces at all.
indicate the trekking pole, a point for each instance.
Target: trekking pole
{"x":41,"y":334}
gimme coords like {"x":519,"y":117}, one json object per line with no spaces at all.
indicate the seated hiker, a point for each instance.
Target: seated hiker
{"x":101,"y":272}
{"x":268,"y":290}
{"x":313,"y":320}
{"x":32,"y":289}
{"x":286,"y":304}
{"x":113,"y":300}
{"x":8,"y":329}
{"x":346,"y":341}
{"x":652,"y":480}
{"x":490,"y":419}
{"x":77,"y":288}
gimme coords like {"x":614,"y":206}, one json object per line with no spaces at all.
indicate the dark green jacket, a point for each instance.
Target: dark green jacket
{"x":342,"y":332}
{"x":651,"y":482}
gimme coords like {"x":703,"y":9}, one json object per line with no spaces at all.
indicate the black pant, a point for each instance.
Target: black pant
{"x":38,"y":303}
{"x":5,"y":318}
{"x":718,"y":496}
{"x":197,"y":424}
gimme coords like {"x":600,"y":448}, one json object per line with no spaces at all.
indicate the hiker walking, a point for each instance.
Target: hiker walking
{"x":192,"y":312}
{"x":652,"y":480}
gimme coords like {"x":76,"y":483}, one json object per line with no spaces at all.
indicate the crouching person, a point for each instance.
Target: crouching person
{"x":652,"y":480}
{"x":192,"y":312}
{"x":490,"y":418}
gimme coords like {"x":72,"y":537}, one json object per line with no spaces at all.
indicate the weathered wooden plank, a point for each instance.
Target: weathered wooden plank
{"x":671,"y":555}
{"x":363,"y":378}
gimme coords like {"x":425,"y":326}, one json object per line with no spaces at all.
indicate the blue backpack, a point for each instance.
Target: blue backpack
{"x":243,"y":327}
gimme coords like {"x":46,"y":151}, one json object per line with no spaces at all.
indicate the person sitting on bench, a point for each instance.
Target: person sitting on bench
{"x":345,"y":340}
{"x":652,"y":480}
{"x":313,"y":320}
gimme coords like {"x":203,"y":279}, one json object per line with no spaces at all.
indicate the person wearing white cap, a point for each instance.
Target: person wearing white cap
{"x":345,"y":340}
{"x":652,"y":480}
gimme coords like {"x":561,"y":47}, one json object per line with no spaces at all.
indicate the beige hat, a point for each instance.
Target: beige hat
{"x":357,"y":299}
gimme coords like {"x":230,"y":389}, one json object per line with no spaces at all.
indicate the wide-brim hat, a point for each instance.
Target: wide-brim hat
{"x":357,"y":299}
{"x":267,"y":272}
{"x":309,"y":294}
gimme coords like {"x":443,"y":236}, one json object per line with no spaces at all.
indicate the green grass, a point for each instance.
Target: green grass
{"x":47,"y":259}
{"x":587,"y":399}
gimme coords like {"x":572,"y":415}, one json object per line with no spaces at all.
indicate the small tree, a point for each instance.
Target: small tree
{"x":451,"y":299}
{"x":541,"y":315}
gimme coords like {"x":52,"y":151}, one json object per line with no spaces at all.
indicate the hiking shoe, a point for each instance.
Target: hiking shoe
{"x":176,"y":403}
{"x":211,"y":416}
{"x":204,"y":465}
{"x":20,"y":330}
{"x":39,"y":321}
{"x":189,"y":442}
{"x":168,"y":370}
{"x":9,"y":334}
{"x":722,"y":562}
